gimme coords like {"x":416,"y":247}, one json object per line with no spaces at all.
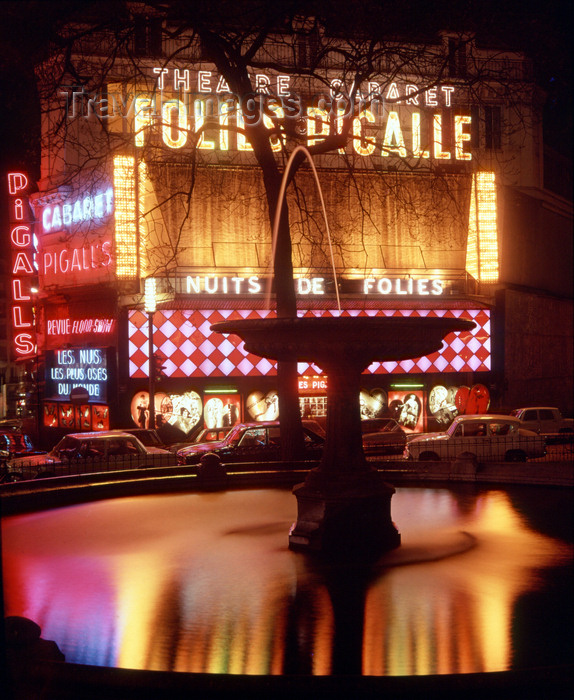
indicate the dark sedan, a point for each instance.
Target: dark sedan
{"x":250,"y":442}
{"x":83,"y":453}
{"x":383,"y":436}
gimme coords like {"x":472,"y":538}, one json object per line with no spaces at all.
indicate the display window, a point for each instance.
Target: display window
{"x":313,"y":396}
{"x":447,"y":402}
{"x":85,"y":417}
{"x":313,"y":406}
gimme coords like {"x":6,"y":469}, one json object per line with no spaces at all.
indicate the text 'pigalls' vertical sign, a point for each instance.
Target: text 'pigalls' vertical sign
{"x":23,"y":271}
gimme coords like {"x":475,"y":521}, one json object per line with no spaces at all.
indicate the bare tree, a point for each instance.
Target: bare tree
{"x":338,"y":66}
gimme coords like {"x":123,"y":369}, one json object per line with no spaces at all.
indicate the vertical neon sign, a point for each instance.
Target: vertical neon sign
{"x":23,"y":270}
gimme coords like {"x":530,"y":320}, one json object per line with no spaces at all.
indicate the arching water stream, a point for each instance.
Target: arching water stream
{"x":280,"y":201}
{"x":206,"y":583}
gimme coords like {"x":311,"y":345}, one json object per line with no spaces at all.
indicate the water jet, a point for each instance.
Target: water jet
{"x":344,"y":504}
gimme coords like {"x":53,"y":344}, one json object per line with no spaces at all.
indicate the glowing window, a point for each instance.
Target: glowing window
{"x":126,"y":233}
{"x":482,"y":244}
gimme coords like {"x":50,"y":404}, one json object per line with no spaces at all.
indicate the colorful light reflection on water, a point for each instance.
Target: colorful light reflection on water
{"x":206,"y":583}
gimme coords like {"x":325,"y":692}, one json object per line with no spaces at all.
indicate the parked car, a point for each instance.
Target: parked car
{"x":206,"y":435}
{"x":544,"y":420}
{"x":485,"y":437}
{"x":81,"y":453}
{"x":383,"y":436}
{"x":249,"y":442}
{"x":146,"y":436}
{"x":314,"y":426}
{"x":218,"y":434}
{"x":24,"y":425}
{"x":14,"y":443}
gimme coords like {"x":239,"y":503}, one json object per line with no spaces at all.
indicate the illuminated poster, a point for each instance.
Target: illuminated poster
{"x":472,"y":400}
{"x":100,"y":418}
{"x":262,"y":406}
{"x":51,"y":414}
{"x":442,"y":404}
{"x":373,"y":403}
{"x":67,"y":415}
{"x":182,"y":411}
{"x":221,"y":410}
{"x":406,"y":408}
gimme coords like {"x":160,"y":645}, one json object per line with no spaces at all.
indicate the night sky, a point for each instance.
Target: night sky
{"x":542,"y":29}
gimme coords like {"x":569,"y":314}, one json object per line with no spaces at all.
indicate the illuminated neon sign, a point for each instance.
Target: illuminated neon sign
{"x":223,"y":285}
{"x":401,"y":119}
{"x":79,"y":326}
{"x":208,"y":82}
{"x":84,"y":209}
{"x":85,"y":254}
{"x":61,"y":260}
{"x":84,"y":368}
{"x":310,"y":384}
{"x":310,"y":286}
{"x":23,"y":266}
{"x":372,"y":136}
{"x":399,"y":286}
{"x":66,"y":264}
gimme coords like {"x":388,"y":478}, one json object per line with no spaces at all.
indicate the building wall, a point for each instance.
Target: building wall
{"x":536,"y":244}
{"x":538,"y":357}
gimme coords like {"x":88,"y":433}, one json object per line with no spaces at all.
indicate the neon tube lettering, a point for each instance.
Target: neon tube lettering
{"x":17,"y":293}
{"x":21,"y":240}
{"x":24,"y":344}
{"x":22,"y":265}
{"x":17,"y":318}
{"x":17,"y":182}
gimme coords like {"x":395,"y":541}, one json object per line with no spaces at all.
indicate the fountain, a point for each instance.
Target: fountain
{"x":344,"y":505}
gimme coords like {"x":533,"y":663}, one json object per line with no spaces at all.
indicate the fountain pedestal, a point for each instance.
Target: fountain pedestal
{"x":347,"y":517}
{"x":344,"y":505}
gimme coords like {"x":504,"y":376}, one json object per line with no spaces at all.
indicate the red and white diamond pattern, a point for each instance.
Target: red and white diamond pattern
{"x":192,"y":350}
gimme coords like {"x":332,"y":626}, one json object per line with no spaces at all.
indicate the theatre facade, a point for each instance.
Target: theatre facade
{"x":150,"y":223}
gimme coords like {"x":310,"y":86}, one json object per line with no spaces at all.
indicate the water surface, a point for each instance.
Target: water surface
{"x":206,"y":583}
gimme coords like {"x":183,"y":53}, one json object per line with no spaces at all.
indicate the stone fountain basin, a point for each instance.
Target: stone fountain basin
{"x":358,"y":340}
